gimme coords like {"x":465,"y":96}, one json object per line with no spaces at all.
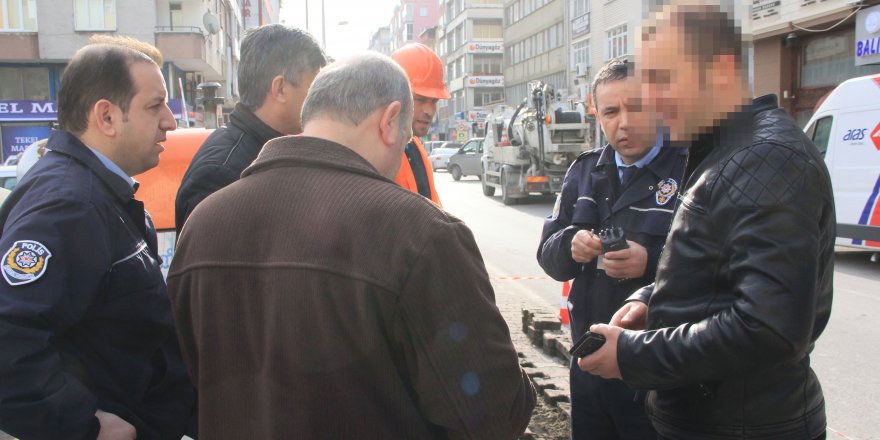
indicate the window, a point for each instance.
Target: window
{"x":98,"y":15}
{"x":487,"y":65}
{"x":409,"y":32}
{"x":407,"y":11}
{"x":487,"y":29}
{"x":580,"y":7}
{"x":176,"y":11}
{"x":24,"y":83}
{"x":18,"y":15}
{"x":423,"y":11}
{"x":484,"y":97}
{"x":580,"y":54}
{"x":617,"y":42}
{"x":822,"y":134}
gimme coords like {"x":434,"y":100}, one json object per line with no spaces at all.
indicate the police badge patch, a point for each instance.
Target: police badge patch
{"x":25,"y":262}
{"x":666,"y":189}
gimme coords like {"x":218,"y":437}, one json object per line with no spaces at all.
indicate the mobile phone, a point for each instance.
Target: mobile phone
{"x":587,"y":344}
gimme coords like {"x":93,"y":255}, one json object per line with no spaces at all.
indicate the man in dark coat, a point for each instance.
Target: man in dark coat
{"x":87,"y":343}
{"x":631,"y":183}
{"x":744,"y":285}
{"x":338,"y":304}
{"x":278,"y":63}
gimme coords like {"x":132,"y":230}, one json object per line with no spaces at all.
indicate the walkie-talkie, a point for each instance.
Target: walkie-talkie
{"x":612,"y":237}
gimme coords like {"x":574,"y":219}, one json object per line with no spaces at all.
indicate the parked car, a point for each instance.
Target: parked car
{"x":440,"y":156}
{"x":12,"y":160}
{"x":431,"y":145}
{"x":8,"y":179}
{"x":466,"y":161}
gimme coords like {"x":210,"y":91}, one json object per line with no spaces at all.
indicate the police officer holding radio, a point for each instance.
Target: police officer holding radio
{"x":606,"y":232}
{"x":88,"y":347}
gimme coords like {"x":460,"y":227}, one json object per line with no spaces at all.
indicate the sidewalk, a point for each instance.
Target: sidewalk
{"x":531,"y":322}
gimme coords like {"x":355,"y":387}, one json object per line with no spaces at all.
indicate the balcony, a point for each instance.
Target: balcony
{"x":191,"y":50}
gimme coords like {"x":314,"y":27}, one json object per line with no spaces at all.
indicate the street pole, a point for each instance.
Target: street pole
{"x":307,"y":15}
{"x":323,"y":28}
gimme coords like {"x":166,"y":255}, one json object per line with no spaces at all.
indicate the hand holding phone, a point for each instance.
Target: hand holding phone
{"x":587,"y":344}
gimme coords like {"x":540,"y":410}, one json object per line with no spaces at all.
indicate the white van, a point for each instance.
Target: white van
{"x":846,"y":129}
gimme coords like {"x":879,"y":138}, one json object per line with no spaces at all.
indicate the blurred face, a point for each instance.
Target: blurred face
{"x":298,"y":96}
{"x":424,"y":109}
{"x":673,"y":86}
{"x":138,"y":144}
{"x":629,"y":129}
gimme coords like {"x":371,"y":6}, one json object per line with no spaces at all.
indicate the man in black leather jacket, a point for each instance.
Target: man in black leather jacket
{"x":278,"y":64}
{"x":744,"y":285}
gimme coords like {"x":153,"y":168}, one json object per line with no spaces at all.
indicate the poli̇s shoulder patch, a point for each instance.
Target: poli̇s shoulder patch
{"x":666,"y":188}
{"x":25,"y":262}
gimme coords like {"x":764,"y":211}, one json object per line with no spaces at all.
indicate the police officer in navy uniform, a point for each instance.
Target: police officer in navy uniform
{"x":631,"y":183}
{"x":88,"y":347}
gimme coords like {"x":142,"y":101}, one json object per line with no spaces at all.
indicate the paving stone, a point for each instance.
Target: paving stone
{"x":542,"y":384}
{"x":556,"y":395}
{"x":534,"y":372}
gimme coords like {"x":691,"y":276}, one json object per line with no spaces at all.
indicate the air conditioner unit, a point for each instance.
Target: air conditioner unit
{"x":582,"y":70}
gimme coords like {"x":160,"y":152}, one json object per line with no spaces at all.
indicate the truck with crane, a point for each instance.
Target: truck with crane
{"x":528,"y":150}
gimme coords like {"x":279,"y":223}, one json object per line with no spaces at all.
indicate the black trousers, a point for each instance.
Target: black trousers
{"x":606,"y":409}
{"x":821,"y":437}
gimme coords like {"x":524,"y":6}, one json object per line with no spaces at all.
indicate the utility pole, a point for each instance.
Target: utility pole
{"x":323,"y":27}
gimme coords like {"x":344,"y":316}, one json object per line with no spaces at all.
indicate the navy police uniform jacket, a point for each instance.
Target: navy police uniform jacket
{"x":85,"y":320}
{"x":592,"y":198}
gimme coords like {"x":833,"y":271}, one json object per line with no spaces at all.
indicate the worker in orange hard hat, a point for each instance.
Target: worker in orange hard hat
{"x":425,"y":73}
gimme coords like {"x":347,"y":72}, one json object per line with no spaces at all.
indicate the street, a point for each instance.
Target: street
{"x":845,"y":354}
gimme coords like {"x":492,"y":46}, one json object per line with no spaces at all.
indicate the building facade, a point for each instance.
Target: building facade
{"x":255,"y":13}
{"x":199,"y":40}
{"x":470,"y":43}
{"x":535,"y":46}
{"x":410,"y":19}
{"x":381,"y":41}
{"x":805,"y":48}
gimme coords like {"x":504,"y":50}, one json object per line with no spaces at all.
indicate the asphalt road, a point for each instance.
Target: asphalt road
{"x":845,"y":355}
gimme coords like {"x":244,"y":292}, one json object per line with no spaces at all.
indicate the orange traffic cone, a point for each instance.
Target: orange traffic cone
{"x":563,"y":304}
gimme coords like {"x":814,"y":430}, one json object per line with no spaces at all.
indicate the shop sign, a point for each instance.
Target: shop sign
{"x":18,"y":137}
{"x":477,"y":115}
{"x":484,"y":47}
{"x":485,"y":81}
{"x":762,"y":9}
{"x":867,"y":47}
{"x":580,"y":26}
{"x":28,"y":110}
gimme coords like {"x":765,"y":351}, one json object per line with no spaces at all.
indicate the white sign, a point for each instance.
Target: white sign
{"x":765,"y":8}
{"x":490,"y":47}
{"x":485,"y":81}
{"x":867,"y":47}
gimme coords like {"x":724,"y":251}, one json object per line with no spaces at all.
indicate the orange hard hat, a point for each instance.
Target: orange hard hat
{"x":424,"y":68}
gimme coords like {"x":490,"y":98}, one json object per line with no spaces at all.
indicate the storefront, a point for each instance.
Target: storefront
{"x":24,"y":122}
{"x":826,"y":60}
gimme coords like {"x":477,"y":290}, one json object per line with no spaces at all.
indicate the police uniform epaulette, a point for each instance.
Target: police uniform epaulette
{"x":585,"y":154}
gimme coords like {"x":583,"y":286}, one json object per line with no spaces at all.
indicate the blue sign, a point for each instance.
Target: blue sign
{"x":17,"y":137}
{"x":20,"y":111}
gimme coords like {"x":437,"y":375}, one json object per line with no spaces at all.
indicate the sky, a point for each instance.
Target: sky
{"x":362,"y":18}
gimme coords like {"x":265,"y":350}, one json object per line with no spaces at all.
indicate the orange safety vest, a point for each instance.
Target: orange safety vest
{"x":406,"y":179}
